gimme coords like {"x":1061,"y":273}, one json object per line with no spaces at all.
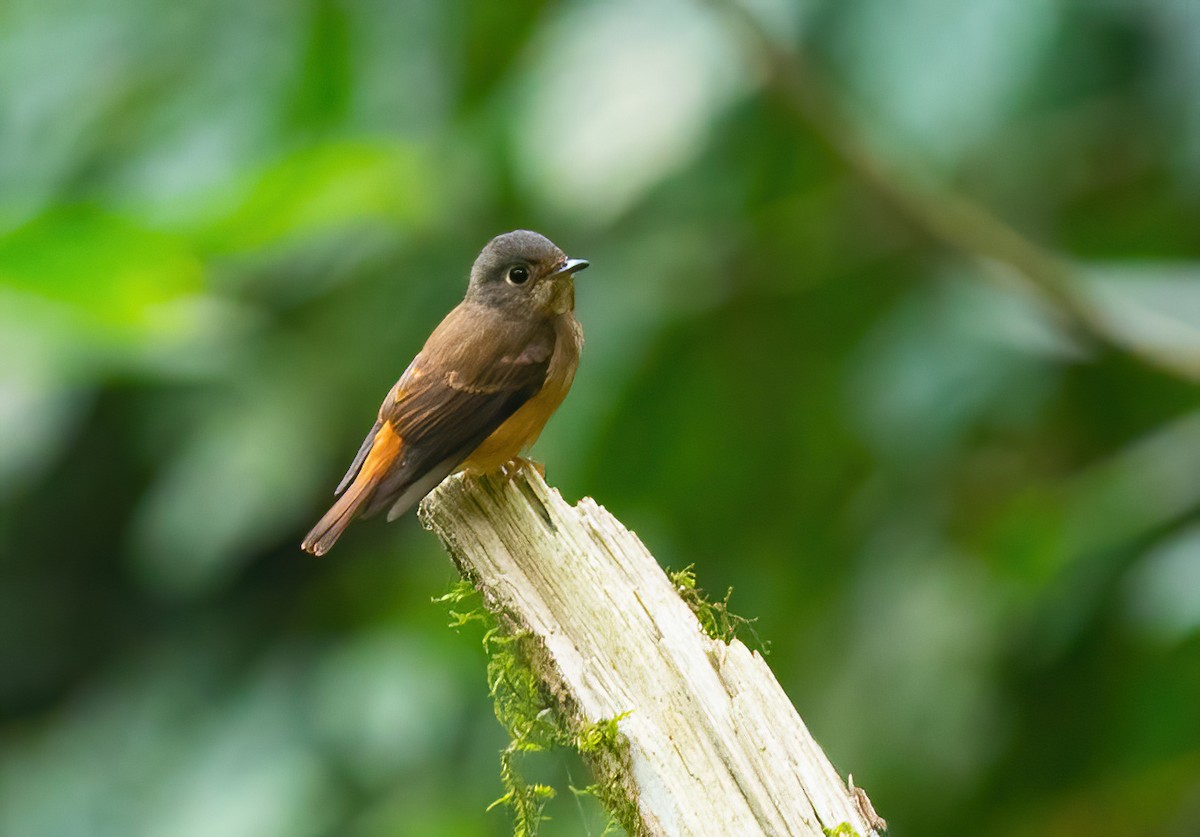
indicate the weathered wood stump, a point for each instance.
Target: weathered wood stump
{"x":714,"y":744}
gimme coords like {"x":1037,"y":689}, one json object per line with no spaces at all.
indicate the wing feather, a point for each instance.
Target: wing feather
{"x":356,"y":465}
{"x":476,"y":370}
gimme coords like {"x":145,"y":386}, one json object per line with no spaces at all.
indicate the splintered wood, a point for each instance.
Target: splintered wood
{"x":715,"y":746}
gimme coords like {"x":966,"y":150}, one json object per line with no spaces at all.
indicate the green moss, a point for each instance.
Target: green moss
{"x":536,"y":722}
{"x":841,"y":830}
{"x":622,"y":812}
{"x":715,"y":617}
{"x":607,"y":752}
{"x":602,"y":735}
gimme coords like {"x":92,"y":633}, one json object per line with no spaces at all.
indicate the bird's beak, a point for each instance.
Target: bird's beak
{"x":571,"y":266}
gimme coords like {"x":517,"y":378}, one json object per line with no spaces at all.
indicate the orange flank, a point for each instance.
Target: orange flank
{"x":516,"y":434}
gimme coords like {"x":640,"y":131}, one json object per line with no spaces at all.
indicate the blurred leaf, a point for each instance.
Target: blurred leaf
{"x":37,"y":415}
{"x":611,"y":106}
{"x":919,"y":617}
{"x":326,"y":186}
{"x":112,"y":274}
{"x":1177,"y":75}
{"x":323,"y":94}
{"x":486,"y":59}
{"x":380,"y":704}
{"x":1151,"y":308}
{"x":237,"y":481}
{"x":936,"y":78}
{"x":162,"y":746}
{"x":403,"y":79}
{"x":1067,"y":543}
{"x":950,"y":358}
{"x":1163,"y":589}
{"x":1145,"y":486}
{"x":1161,"y":800}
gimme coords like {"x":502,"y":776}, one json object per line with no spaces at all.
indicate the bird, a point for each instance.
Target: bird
{"x":478,"y":393}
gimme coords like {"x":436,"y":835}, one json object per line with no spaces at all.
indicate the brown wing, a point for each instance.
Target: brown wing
{"x":475,"y":371}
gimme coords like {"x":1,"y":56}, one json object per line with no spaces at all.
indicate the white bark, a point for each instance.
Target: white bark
{"x":715,"y":746}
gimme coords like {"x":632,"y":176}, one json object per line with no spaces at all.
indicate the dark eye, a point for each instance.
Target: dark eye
{"x":518,"y":275}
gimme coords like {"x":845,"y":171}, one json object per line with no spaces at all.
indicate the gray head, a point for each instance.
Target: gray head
{"x":523,"y":270}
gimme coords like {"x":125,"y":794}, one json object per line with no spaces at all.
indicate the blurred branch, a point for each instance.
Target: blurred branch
{"x":704,"y":740}
{"x":943,"y":214}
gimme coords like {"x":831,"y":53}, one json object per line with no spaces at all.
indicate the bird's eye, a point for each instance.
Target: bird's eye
{"x":518,"y":275}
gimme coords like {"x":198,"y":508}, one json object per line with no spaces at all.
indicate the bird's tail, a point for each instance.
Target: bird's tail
{"x":330,"y":527}
{"x":386,"y":449}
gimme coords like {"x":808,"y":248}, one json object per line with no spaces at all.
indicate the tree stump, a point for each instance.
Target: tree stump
{"x":714,"y":746}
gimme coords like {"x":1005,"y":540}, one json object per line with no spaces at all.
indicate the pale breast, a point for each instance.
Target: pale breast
{"x":524,"y":426}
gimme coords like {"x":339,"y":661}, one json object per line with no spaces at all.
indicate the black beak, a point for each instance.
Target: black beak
{"x":571,"y":266}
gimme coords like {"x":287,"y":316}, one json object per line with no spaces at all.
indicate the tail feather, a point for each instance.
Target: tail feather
{"x":385,"y":451}
{"x":330,"y":527}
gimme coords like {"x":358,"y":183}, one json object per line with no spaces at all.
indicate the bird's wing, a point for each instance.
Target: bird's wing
{"x":474,"y":372}
{"x":368,"y":442}
{"x":356,"y":465}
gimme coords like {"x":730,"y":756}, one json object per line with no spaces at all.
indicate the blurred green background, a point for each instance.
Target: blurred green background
{"x":958,"y":481}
